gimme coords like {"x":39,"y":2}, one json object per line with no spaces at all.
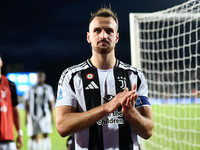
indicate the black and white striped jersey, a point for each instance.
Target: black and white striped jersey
{"x":84,"y":87}
{"x":38,"y":98}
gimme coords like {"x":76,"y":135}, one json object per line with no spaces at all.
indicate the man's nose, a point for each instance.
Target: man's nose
{"x":103,"y":34}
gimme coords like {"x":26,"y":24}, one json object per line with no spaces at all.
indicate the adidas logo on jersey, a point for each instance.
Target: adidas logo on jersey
{"x":91,"y":86}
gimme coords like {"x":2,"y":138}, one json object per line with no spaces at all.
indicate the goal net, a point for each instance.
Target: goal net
{"x":165,"y":45}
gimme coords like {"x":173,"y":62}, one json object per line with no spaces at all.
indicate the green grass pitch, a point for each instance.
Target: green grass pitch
{"x":176,"y":127}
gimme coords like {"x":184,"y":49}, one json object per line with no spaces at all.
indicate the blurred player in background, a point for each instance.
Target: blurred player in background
{"x":9,"y":114}
{"x":69,"y":143}
{"x":103,"y":101}
{"x":39,"y":117}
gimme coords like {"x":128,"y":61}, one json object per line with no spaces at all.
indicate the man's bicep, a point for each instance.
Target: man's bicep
{"x":62,"y":113}
{"x":63,"y":118}
{"x":61,"y":110}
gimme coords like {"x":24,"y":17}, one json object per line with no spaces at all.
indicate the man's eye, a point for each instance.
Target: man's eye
{"x":109,"y":31}
{"x":97,"y":31}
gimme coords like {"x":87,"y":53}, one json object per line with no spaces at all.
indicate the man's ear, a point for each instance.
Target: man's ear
{"x":117,"y":37}
{"x":88,"y":37}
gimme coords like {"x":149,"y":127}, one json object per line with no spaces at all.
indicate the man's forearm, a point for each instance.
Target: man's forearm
{"x":70,"y":123}
{"x":16,"y":115}
{"x":142,"y":125}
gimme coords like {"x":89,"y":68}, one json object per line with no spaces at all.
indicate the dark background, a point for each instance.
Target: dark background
{"x":51,"y":35}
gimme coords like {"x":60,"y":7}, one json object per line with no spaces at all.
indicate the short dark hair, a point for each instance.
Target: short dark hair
{"x":40,"y":72}
{"x":104,"y":12}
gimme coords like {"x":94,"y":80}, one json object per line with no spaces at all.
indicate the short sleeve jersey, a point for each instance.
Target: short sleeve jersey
{"x":84,"y":87}
{"x":38,"y":97}
{"x":8,"y":100}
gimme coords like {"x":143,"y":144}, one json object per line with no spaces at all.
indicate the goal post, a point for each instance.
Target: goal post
{"x":165,"y":45}
{"x":134,"y":40}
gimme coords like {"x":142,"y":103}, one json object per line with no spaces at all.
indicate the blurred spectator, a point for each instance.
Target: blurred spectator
{"x":39,"y":104}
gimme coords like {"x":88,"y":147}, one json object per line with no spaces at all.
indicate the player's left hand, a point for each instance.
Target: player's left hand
{"x":128,"y":105}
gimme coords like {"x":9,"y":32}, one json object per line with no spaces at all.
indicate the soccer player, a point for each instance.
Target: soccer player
{"x":39,"y":113}
{"x":9,"y":114}
{"x":103,"y":101}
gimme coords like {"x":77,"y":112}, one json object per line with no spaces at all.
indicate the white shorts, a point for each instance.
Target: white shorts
{"x":8,"y":146}
{"x":42,"y":125}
